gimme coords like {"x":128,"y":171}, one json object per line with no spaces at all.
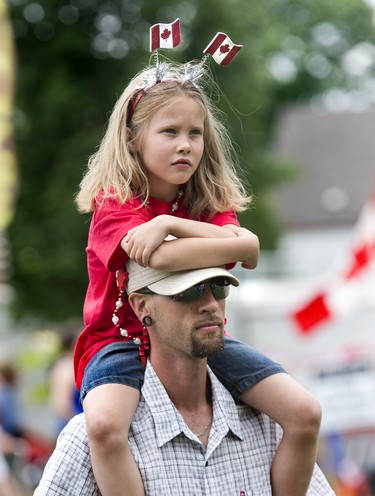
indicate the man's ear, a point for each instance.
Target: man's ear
{"x":138,"y":304}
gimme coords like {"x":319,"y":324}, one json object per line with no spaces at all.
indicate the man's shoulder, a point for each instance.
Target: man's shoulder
{"x":223,"y":397}
{"x":78,"y":422}
{"x":69,"y":470}
{"x":75,"y":429}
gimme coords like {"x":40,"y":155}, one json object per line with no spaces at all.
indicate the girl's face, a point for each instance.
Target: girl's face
{"x":171,"y":146}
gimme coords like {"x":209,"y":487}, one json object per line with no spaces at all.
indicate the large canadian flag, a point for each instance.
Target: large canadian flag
{"x":222,"y":49}
{"x":350,"y":286}
{"x":165,"y":35}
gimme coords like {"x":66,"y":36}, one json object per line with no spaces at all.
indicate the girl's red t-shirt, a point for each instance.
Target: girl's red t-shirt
{"x":110,"y":223}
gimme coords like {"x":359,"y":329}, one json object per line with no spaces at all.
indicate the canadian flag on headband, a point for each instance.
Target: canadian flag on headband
{"x":222,"y":49}
{"x":353,"y":283}
{"x":165,"y":35}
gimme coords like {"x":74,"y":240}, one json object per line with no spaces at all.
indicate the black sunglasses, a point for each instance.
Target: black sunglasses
{"x":219,"y":287}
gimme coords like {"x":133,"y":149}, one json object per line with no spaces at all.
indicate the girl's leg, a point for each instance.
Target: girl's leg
{"x":299,"y":414}
{"x":264,"y":385}
{"x":109,"y":410}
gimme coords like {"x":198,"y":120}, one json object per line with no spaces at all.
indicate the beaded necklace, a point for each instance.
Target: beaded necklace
{"x":176,"y":204}
{"x":122,"y":279}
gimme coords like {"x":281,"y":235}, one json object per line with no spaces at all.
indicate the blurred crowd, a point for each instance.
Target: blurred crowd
{"x":11,"y":434}
{"x":23,"y":453}
{"x":63,"y":395}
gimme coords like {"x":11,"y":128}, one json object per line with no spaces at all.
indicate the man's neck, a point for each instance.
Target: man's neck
{"x":185,"y":380}
{"x":188,"y":385}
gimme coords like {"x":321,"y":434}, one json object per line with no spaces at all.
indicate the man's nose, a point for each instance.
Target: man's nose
{"x":208,"y":299}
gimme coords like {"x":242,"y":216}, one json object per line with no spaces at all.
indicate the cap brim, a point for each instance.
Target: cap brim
{"x":181,"y":281}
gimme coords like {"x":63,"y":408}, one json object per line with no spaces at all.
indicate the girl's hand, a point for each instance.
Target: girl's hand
{"x":251,"y":261}
{"x":142,"y":241}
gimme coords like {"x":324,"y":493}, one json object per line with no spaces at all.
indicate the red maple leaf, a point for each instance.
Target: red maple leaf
{"x":224,"y":48}
{"x":165,"y":34}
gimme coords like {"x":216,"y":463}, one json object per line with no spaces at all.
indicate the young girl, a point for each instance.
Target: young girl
{"x":165,"y":168}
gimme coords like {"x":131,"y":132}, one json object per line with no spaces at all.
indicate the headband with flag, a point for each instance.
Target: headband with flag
{"x":165,"y":35}
{"x":222,"y":49}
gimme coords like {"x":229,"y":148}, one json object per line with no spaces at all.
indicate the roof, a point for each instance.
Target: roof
{"x":335,"y":158}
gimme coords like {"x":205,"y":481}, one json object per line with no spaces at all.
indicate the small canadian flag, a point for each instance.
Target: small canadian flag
{"x":222,"y":49}
{"x":165,"y":35}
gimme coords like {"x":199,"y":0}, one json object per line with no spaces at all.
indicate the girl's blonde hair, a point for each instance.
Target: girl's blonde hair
{"x":115,"y":172}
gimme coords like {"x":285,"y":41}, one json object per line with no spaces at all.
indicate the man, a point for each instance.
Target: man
{"x":188,"y":436}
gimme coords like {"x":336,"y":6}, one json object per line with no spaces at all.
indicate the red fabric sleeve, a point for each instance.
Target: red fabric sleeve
{"x":111,"y":222}
{"x":223,"y":218}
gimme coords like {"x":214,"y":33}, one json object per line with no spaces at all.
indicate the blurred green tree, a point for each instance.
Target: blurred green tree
{"x":74,"y":56}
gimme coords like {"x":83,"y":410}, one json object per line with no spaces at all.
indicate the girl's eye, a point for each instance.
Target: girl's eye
{"x":196,"y":132}
{"x":169,"y":131}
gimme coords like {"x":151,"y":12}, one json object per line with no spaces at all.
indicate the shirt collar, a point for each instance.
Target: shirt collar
{"x":168,"y":421}
{"x":226,"y":414}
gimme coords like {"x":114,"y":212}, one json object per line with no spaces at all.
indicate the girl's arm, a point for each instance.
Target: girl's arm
{"x":142,"y":241}
{"x":240,"y":231}
{"x":194,"y":253}
{"x":199,"y":244}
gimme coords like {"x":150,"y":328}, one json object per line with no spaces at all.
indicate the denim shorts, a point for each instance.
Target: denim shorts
{"x":117,"y":363}
{"x":238,"y":368}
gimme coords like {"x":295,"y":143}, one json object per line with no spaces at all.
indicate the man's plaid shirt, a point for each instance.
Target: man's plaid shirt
{"x":171,"y":458}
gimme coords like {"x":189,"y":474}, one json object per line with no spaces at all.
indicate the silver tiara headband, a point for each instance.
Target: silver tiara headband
{"x":221,"y":49}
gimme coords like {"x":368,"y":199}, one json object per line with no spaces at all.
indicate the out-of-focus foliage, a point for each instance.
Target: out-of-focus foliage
{"x":8,"y":175}
{"x":75,"y":56}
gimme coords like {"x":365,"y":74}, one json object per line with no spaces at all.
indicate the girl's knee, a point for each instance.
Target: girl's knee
{"x":306,"y":420}
{"x":106,"y":429}
{"x":109,"y":410}
{"x":312,"y":412}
